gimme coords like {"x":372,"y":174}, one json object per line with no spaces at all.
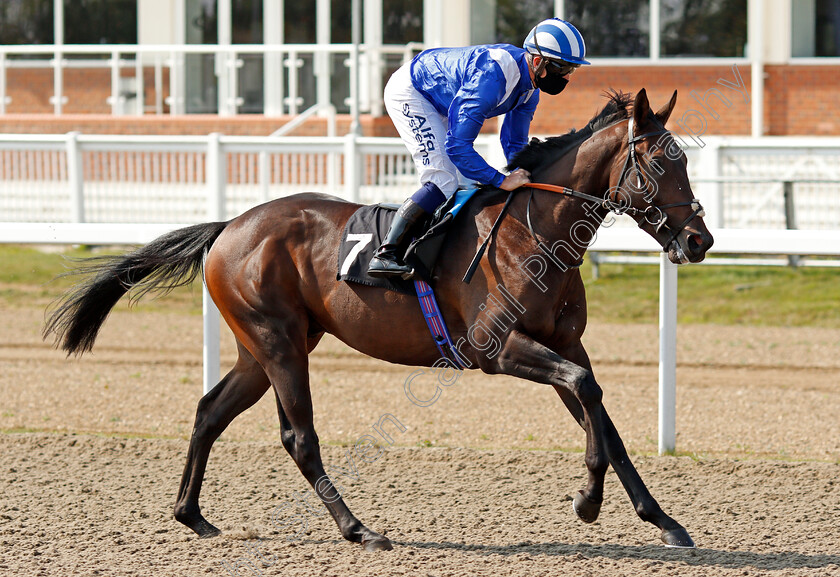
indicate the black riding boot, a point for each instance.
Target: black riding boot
{"x":388,"y":259}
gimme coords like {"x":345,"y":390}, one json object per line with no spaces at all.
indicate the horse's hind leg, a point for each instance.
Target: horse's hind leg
{"x":287,"y":367}
{"x":243,"y":386}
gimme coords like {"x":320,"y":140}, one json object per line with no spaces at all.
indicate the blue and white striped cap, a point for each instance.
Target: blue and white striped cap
{"x":557,"y":39}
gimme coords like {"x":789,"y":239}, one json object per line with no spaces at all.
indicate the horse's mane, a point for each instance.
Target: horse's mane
{"x":540,"y":152}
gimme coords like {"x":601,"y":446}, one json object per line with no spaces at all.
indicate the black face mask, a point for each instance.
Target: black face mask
{"x":551,"y":83}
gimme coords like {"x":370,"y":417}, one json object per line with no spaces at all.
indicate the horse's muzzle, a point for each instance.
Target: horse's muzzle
{"x":690,"y":246}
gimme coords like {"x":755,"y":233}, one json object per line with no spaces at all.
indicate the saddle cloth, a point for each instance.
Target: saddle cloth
{"x":368,"y":226}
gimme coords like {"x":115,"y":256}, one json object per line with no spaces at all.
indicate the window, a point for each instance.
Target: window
{"x":827,"y":29}
{"x":707,"y":28}
{"x":247,"y":18}
{"x":613,"y":28}
{"x":816,"y":28}
{"x":100,"y":21}
{"x":202,"y":28}
{"x":299,"y":22}
{"x":508,"y":21}
{"x":402,"y":21}
{"x":26,"y":22}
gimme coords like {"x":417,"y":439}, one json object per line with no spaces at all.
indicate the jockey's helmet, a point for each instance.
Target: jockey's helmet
{"x":556,"y":39}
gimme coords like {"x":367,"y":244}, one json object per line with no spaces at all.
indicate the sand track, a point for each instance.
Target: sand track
{"x":478,"y":484}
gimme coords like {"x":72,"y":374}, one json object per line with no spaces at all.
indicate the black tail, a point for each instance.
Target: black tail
{"x":172,"y":260}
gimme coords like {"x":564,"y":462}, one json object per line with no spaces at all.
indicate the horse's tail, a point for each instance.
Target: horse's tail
{"x":170,"y":261}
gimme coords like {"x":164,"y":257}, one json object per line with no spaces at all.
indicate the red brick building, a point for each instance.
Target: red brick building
{"x":654,"y":44}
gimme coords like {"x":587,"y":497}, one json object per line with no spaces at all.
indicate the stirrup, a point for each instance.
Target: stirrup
{"x":382,"y":267}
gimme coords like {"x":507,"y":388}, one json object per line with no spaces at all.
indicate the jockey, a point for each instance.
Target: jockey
{"x":439,"y":102}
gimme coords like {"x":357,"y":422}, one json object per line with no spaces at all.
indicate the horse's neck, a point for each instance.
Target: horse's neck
{"x":573,"y":222}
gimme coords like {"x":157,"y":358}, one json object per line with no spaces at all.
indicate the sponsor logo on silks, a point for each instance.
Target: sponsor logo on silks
{"x":422,"y":132}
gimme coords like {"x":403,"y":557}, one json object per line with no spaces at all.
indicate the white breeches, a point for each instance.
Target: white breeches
{"x":423,"y":130}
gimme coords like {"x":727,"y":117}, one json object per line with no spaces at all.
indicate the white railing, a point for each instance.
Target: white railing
{"x":743,"y":183}
{"x":115,"y":181}
{"x":757,"y":242}
{"x":281,"y":67}
{"x":85,"y":178}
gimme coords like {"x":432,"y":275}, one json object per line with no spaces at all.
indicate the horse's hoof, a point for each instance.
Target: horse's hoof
{"x":586,"y":510}
{"x":193,"y":519}
{"x":678,"y":538}
{"x":379,"y":543}
{"x":205,"y":530}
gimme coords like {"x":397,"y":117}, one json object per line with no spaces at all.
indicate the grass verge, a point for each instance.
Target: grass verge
{"x":726,"y":295}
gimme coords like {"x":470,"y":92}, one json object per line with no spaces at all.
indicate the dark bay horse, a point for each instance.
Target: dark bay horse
{"x":272,"y":274}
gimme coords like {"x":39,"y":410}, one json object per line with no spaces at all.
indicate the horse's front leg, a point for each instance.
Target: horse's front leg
{"x":523,"y":357}
{"x":673,"y":534}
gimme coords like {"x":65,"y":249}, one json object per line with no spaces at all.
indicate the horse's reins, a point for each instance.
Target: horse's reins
{"x":653,"y":214}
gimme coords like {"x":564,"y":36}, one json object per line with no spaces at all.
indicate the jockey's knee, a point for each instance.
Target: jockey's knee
{"x":429,"y":197}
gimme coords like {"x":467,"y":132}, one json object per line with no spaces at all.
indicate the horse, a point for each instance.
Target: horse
{"x":272,"y":273}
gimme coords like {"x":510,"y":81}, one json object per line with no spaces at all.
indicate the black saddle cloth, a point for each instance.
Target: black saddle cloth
{"x":364,"y":233}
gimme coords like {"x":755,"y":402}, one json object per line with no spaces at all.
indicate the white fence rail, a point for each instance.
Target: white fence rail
{"x":277,"y":71}
{"x":769,"y":183}
{"x":761,"y":242}
{"x":130,"y":189}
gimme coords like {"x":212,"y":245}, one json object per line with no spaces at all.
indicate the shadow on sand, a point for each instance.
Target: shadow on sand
{"x":693,"y":557}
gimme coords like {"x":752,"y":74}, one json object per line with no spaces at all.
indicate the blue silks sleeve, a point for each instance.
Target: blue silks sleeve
{"x":469,"y":109}
{"x":514,"y":133}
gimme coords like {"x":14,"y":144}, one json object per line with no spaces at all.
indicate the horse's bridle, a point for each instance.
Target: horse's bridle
{"x":653,"y":215}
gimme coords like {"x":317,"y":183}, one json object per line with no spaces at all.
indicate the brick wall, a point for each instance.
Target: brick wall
{"x":583,"y":97}
{"x":87,"y":90}
{"x":802,"y":100}
{"x":798,"y":100}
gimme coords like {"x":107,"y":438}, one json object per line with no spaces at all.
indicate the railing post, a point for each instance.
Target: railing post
{"x":356,"y":38}
{"x":352,"y":177}
{"x":273,"y":60}
{"x":216,"y":170}
{"x":595,"y":258}
{"x":790,"y":217}
{"x":159,"y":84}
{"x":265,"y":176}
{"x":293,"y":63}
{"x":212,"y":349}
{"x":755,"y":41}
{"x":332,"y":157}
{"x":667,"y":355}
{"x":177,"y":84}
{"x":58,"y":99}
{"x":216,"y":167}
{"x":711,"y":194}
{"x":321,"y":58}
{"x":139,"y":85}
{"x":116,"y":108}
{"x":375,"y":61}
{"x":75,"y":176}
{"x":223,"y":58}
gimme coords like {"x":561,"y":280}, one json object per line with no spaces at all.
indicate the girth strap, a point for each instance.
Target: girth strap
{"x":436,"y":324}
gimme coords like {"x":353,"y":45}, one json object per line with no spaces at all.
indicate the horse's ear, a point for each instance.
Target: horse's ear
{"x":665,"y":112}
{"x":641,"y":108}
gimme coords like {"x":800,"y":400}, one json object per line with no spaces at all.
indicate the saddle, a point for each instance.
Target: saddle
{"x":368,"y":226}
